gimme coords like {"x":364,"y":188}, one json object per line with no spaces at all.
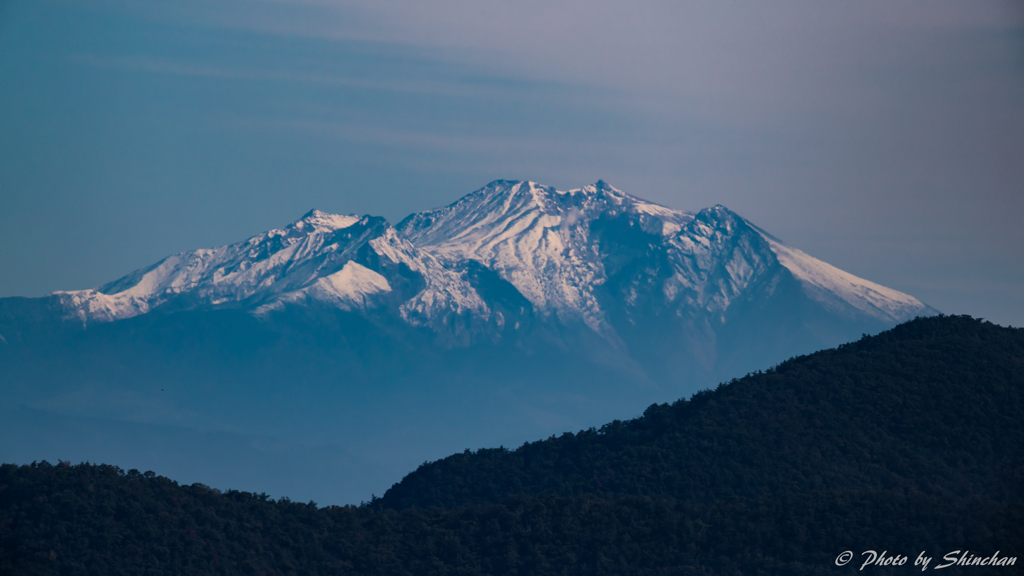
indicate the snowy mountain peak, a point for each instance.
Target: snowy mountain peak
{"x":511,"y":200}
{"x":719,"y":218}
{"x":835,"y":289}
{"x":593,"y":256}
{"x":262,"y":267}
{"x":537,"y":238}
{"x":325,"y":222}
{"x":540,"y":240}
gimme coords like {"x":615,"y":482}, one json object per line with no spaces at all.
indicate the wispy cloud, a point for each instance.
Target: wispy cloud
{"x":178,"y":68}
{"x":693,"y":47}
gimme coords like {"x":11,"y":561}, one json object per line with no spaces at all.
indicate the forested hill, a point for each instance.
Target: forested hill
{"x":933,"y":406}
{"x":908,"y":441}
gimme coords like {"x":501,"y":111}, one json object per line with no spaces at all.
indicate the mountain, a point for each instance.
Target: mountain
{"x":911,"y":441}
{"x":346,"y":262}
{"x":631,"y":272}
{"x":897,"y":411}
{"x":557,"y":248}
{"x":517,"y":311}
{"x":680,"y":292}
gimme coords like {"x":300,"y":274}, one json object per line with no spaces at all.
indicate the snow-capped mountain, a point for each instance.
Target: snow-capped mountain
{"x":560,"y":249}
{"x":264,"y":266}
{"x":537,"y":238}
{"x":517,"y":312}
{"x":516,"y":262}
{"x":594,"y":256}
{"x":349,"y":262}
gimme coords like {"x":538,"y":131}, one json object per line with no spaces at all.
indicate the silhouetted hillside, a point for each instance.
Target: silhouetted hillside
{"x":909,"y":441}
{"x":933,"y":406}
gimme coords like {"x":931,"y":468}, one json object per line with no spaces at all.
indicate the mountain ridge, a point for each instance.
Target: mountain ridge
{"x":525,"y":310}
{"x":533,"y":236}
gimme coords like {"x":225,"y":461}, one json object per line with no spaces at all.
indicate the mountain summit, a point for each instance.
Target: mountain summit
{"x":562,"y":249}
{"x":593,"y":255}
{"x":515,"y":312}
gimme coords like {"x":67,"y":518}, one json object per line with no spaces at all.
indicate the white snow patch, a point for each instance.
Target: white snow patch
{"x":862,"y":294}
{"x":348,"y":287}
{"x":89,"y":305}
{"x":328,"y":222}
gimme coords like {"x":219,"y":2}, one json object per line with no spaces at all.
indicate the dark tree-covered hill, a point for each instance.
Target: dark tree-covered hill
{"x":933,"y":406}
{"x":909,"y":441}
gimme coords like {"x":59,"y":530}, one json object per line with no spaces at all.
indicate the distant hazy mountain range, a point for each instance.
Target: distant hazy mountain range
{"x":516,"y":311}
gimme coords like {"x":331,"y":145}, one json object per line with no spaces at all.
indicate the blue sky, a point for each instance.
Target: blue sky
{"x":884,"y":137}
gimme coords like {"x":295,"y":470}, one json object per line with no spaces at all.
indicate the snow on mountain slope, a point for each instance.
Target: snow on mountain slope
{"x":718,"y":237}
{"x":312,"y":259}
{"x":825,"y":283}
{"x":536,"y":237}
{"x":276,"y":261}
{"x":714,"y":257}
{"x":446,"y":293}
{"x":539,"y":239}
{"x":576,"y":256}
{"x":347,"y":289}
